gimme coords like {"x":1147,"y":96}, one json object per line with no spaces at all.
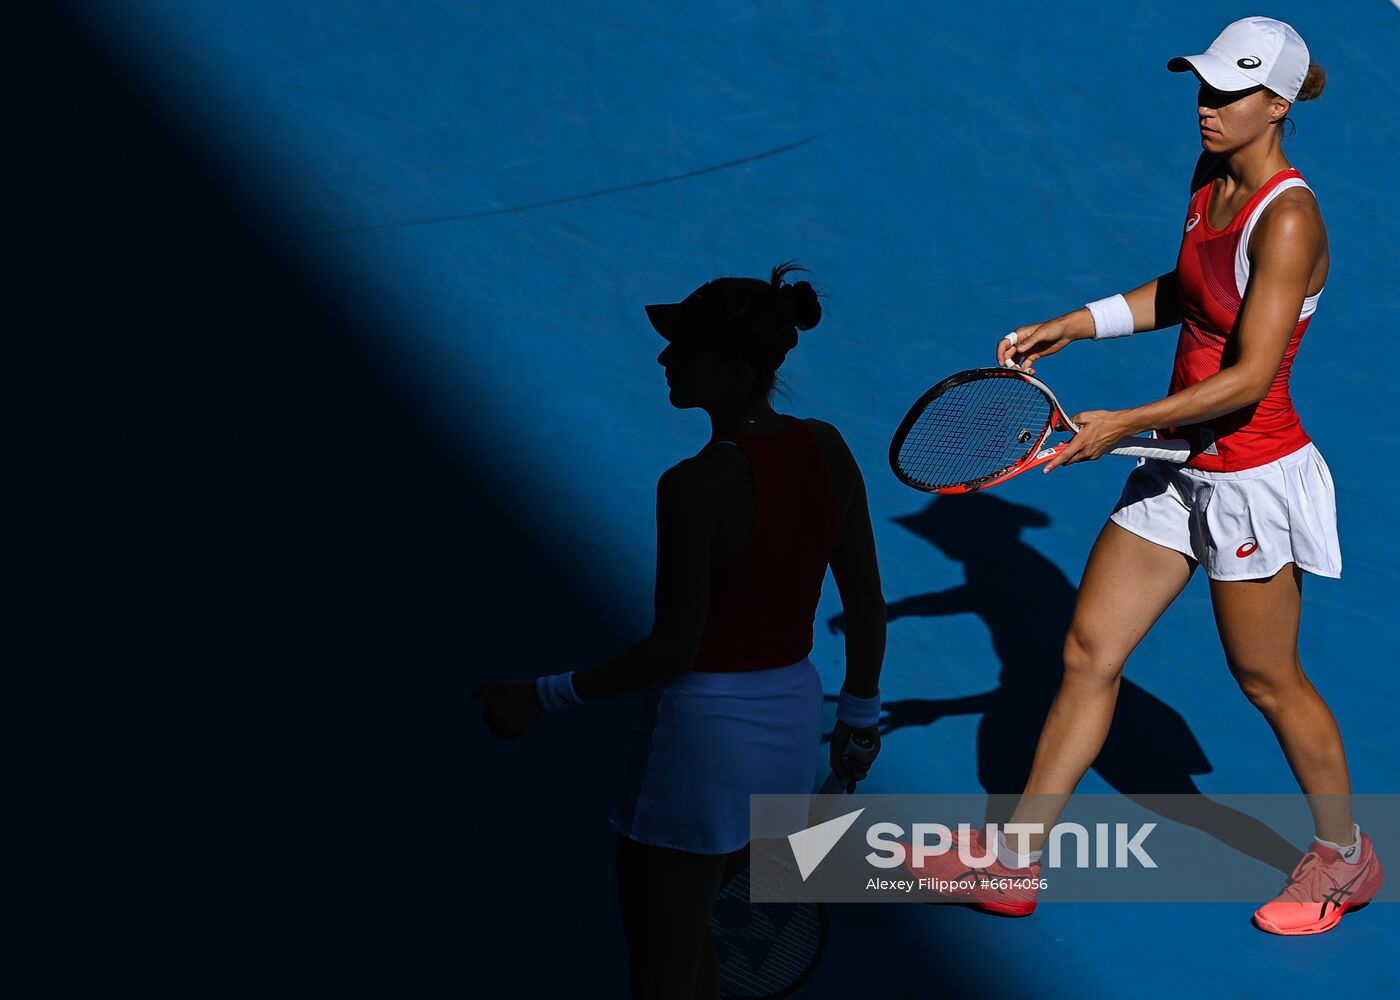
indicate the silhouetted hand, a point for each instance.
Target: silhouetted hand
{"x":836,"y":623}
{"x":509,"y":707}
{"x":851,"y":769}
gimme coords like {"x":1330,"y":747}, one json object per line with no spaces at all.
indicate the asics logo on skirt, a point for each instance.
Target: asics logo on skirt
{"x":1248,"y":549}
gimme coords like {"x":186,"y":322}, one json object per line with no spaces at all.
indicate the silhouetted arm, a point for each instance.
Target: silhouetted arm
{"x":686,"y":521}
{"x":857,"y":574}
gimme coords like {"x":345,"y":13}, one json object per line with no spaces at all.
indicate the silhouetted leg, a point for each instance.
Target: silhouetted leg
{"x":1128,"y":583}
{"x":1258,"y":624}
{"x":707,"y":985}
{"x":666,"y":897}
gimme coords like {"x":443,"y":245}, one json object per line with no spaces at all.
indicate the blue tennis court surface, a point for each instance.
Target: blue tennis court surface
{"x":494,"y":191}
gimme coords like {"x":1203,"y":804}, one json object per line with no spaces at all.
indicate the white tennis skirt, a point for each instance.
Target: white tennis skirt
{"x":706,"y":741}
{"x":1244,"y":525}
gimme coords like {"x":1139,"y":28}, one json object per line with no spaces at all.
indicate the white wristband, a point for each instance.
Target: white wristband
{"x":858,"y":713}
{"x":557,"y":691}
{"x":1112,"y":317}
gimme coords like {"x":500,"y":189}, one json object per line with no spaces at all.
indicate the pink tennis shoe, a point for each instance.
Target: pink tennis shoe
{"x":996,"y":889}
{"x":1322,"y":888}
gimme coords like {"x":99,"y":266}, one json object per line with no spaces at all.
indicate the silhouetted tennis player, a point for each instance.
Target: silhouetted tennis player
{"x":745,"y":531}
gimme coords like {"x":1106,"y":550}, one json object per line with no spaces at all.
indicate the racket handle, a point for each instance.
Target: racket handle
{"x":1167,"y":449}
{"x":861,"y":747}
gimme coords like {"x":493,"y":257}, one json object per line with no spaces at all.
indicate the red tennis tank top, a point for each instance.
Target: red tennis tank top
{"x":1212,"y":269}
{"x":763,"y":596}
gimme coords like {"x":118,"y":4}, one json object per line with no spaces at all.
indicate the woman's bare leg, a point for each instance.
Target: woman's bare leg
{"x":1258,"y":625}
{"x":1128,"y":583}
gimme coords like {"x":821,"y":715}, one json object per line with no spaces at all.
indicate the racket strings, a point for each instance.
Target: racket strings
{"x":973,"y":432}
{"x":764,"y":949}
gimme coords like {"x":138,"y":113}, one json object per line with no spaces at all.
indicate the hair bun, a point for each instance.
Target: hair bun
{"x":1313,"y":83}
{"x":798,"y":304}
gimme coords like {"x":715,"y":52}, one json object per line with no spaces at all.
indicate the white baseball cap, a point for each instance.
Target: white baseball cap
{"x":1252,"y":51}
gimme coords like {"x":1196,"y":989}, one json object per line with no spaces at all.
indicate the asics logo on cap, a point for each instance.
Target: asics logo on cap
{"x":1236,"y":60}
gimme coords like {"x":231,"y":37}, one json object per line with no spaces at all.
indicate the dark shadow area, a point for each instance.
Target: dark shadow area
{"x":256,"y":582}
{"x":1026,"y":603}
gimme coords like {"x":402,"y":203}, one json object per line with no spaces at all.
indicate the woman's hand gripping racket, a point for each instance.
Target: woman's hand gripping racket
{"x":982,"y":426}
{"x":862,"y":747}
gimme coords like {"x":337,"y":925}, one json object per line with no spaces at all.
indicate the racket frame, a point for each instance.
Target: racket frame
{"x":1145,"y":446}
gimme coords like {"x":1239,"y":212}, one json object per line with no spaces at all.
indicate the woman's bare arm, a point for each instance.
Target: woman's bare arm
{"x":1155,"y":304}
{"x":1285,"y":250}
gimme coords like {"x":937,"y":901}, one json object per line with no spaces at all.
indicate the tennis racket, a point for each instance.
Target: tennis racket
{"x":982,"y":426}
{"x":770,"y":949}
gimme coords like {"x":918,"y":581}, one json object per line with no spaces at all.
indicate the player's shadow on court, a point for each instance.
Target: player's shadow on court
{"x":1150,"y":755}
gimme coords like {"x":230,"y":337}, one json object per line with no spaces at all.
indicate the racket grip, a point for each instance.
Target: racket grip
{"x":1167,"y":449}
{"x":854,"y":751}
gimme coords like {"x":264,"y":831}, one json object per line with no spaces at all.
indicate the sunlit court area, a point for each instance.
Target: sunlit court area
{"x":461,"y":452}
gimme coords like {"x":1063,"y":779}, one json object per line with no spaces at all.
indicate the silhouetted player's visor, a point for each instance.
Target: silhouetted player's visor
{"x":700,"y":316}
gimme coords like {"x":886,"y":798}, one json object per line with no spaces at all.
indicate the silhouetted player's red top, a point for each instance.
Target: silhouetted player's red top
{"x":1213,"y":269}
{"x":763,"y":596}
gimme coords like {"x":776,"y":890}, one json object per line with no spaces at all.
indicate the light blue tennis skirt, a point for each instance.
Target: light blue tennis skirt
{"x":707,"y":741}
